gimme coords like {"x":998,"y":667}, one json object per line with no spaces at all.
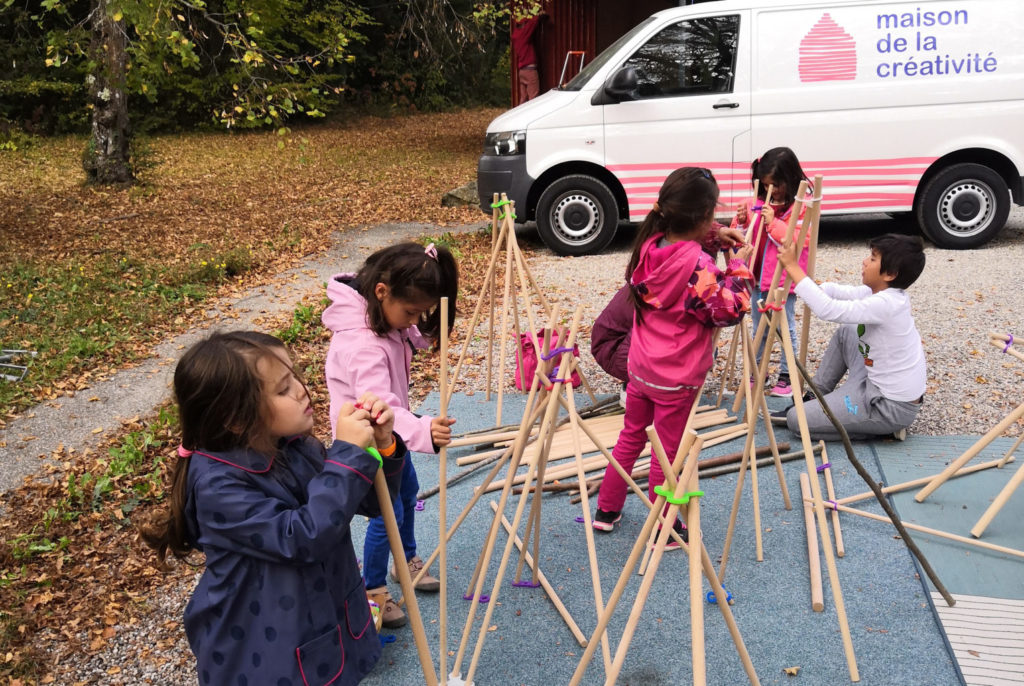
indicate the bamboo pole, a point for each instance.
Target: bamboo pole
{"x":813,"y":561}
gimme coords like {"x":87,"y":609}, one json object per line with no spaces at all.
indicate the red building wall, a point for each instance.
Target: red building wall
{"x":587,"y":25}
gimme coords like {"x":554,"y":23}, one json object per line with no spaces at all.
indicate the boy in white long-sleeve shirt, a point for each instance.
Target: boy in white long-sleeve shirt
{"x":877,"y":343}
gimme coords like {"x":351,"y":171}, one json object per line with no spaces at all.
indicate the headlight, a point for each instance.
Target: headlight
{"x":505,"y":143}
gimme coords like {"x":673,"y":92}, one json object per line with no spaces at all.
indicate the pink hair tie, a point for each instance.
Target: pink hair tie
{"x":431,"y":252}
{"x":183,"y":452}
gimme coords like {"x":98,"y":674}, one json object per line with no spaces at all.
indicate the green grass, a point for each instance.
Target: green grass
{"x":77,"y":317}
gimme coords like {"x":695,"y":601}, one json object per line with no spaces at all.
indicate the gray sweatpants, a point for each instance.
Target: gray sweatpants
{"x":858,"y":404}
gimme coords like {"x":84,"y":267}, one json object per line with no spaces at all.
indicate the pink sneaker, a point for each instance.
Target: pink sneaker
{"x":782,"y":389}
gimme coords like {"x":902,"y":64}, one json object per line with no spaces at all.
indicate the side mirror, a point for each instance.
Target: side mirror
{"x":620,"y":87}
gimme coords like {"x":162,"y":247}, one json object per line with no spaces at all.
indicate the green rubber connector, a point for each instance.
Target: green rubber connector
{"x":670,"y":497}
{"x":376,"y":453}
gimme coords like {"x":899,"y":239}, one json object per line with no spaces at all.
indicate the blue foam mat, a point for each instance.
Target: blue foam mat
{"x":895,"y":636}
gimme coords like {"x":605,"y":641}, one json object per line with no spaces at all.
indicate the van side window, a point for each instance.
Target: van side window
{"x":693,"y":57}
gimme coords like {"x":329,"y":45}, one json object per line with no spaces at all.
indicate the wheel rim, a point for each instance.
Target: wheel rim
{"x":576,"y":218}
{"x":966,"y":208}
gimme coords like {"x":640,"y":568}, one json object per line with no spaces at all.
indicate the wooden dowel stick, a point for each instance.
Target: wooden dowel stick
{"x":830,"y":489}
{"x":595,"y":572}
{"x":934,"y":532}
{"x":993,"y":433}
{"x":1004,"y":495}
{"x":398,"y":553}
{"x":574,"y":628}
{"x":488,"y":276}
{"x":698,"y":659}
{"x":442,"y":513}
{"x":907,"y":485}
{"x":811,"y":467}
{"x":1009,"y":453}
{"x":495,"y":230}
{"x":503,"y":335}
{"x":814,"y":562}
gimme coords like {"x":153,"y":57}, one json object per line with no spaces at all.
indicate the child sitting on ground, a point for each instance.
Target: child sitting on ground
{"x":877,"y":343}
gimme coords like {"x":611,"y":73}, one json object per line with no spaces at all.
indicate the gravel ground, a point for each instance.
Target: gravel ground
{"x":960,"y":297}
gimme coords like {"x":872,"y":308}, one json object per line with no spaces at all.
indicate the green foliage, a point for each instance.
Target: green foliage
{"x":73,"y":315}
{"x":305,"y":319}
{"x":252,"y":63}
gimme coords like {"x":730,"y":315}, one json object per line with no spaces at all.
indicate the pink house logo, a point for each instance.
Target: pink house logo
{"x":828,"y":53}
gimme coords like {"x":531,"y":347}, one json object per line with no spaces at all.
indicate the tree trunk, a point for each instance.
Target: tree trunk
{"x":107,"y":159}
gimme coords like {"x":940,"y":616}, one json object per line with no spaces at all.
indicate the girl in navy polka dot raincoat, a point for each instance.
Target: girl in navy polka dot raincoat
{"x":281,"y":602}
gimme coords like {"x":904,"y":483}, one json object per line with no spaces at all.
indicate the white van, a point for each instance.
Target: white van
{"x":901,"y":106}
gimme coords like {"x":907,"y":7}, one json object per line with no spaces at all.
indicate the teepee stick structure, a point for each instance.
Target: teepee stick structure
{"x":685,"y":460}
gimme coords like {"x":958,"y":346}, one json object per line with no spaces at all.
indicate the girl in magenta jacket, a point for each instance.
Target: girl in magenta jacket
{"x":780,"y":169}
{"x":379,"y":317}
{"x":679,"y":296}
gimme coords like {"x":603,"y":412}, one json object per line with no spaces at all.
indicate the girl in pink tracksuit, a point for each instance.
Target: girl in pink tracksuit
{"x":679,"y":295}
{"x":780,"y":169}
{"x":379,"y":317}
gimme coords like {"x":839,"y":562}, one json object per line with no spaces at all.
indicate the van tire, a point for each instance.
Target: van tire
{"x":963,"y":206}
{"x":577,"y":215}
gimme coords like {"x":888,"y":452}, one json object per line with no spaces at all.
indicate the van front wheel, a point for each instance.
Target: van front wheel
{"x":963,"y":206}
{"x":577,"y":215}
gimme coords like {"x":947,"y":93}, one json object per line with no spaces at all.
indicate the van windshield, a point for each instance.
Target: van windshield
{"x":589,"y":70}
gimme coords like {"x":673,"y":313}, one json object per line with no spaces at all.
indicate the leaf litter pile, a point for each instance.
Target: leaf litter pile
{"x":73,"y":570}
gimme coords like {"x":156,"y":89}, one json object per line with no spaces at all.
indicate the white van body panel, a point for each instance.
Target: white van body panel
{"x":871,"y":135}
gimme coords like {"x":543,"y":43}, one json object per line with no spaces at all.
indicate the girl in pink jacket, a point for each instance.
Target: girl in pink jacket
{"x":679,"y":296}
{"x":780,"y":169}
{"x":379,"y":317}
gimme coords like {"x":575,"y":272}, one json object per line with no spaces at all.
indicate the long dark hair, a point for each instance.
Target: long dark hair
{"x":686,"y":202}
{"x":414,"y":274}
{"x":221,"y":406}
{"x":782,"y":165}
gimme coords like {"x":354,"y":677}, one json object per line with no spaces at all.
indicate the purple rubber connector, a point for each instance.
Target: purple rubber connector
{"x":420,"y":505}
{"x":525,"y":584}
{"x":483,"y":598}
{"x":579,"y":519}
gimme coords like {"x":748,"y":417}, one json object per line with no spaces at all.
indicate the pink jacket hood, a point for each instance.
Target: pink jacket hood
{"x":668,"y":347}
{"x":359,"y":360}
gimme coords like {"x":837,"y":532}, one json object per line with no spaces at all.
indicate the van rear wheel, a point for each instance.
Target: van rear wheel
{"x":577,"y":215}
{"x":963,"y":206}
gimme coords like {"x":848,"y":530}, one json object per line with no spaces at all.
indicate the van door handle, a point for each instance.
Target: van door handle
{"x":725,"y":105}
